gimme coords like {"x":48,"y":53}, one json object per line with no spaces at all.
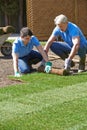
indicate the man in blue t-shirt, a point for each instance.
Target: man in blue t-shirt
{"x":24,"y":55}
{"x":74,"y":42}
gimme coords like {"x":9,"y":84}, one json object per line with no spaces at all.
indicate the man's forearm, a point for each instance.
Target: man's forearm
{"x":15,"y":64}
{"x":73,"y":51}
{"x":49,"y":43}
{"x":43,"y":53}
{"x":47,"y":46}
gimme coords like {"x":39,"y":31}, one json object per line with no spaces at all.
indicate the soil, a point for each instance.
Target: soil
{"x":6,"y":69}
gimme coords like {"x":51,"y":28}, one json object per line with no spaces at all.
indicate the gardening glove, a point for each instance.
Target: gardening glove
{"x":67,"y":64}
{"x":17,"y":74}
{"x":48,"y":67}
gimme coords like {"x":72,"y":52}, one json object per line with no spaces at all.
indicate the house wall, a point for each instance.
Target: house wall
{"x":41,"y":14}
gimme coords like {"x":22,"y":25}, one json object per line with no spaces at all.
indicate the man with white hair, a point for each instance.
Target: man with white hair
{"x":74,"y":42}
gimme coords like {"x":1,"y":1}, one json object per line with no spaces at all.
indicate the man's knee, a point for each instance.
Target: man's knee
{"x":24,"y":70}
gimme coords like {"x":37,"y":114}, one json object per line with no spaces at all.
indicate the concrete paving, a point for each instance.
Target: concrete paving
{"x":13,"y":36}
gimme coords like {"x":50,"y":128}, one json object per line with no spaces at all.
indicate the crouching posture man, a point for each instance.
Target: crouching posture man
{"x":24,"y":55}
{"x":74,"y":42}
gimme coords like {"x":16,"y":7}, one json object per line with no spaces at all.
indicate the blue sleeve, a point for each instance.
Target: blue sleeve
{"x":73,"y":30}
{"x":35,"y":41}
{"x":75,"y":33}
{"x":56,"y":32}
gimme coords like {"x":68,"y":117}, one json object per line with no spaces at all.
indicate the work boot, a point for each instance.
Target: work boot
{"x":32,"y":69}
{"x":82,"y":64}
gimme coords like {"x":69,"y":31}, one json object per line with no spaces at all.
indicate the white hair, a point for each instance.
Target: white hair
{"x":60,"y":19}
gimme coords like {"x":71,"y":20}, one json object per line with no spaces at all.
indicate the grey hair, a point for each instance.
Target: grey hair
{"x":60,"y":19}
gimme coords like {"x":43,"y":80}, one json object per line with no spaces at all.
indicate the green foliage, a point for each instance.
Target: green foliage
{"x":11,"y":41}
{"x":9,"y":7}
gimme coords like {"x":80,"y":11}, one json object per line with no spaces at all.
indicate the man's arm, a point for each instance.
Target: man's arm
{"x":42,"y":52}
{"x":74,"y":50}
{"x":15,"y":62}
{"x":49,"y":43}
{"x":76,"y":44}
{"x":45,"y":62}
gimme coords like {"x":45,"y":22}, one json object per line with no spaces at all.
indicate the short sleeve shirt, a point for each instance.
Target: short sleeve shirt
{"x":23,"y":50}
{"x":71,"y":32}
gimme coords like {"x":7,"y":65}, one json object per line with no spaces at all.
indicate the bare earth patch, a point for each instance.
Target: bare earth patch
{"x":6,"y":69}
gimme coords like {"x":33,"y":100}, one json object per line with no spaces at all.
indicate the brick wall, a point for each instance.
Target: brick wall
{"x":41,"y":14}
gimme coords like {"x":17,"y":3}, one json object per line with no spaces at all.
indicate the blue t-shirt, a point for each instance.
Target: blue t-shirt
{"x":71,"y":32}
{"x":23,"y":50}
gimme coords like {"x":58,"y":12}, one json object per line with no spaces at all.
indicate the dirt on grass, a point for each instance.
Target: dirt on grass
{"x":6,"y":69}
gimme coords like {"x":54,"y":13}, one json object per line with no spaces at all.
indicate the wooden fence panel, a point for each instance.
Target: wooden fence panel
{"x":82,"y":15}
{"x":41,"y":14}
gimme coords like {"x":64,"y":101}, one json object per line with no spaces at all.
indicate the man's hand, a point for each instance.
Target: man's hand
{"x":67,"y":64}
{"x":48,"y":67}
{"x":17,"y":74}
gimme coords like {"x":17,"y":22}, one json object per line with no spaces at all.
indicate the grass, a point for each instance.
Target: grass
{"x":45,"y":102}
{"x":12,"y":40}
{"x":43,"y":42}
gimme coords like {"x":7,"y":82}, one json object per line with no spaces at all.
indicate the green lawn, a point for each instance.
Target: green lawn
{"x":45,"y":102}
{"x":12,"y":40}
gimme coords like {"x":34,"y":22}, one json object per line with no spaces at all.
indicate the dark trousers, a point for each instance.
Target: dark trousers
{"x":24,"y":63}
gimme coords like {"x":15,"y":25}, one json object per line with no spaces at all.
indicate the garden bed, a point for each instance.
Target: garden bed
{"x":6,"y":68}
